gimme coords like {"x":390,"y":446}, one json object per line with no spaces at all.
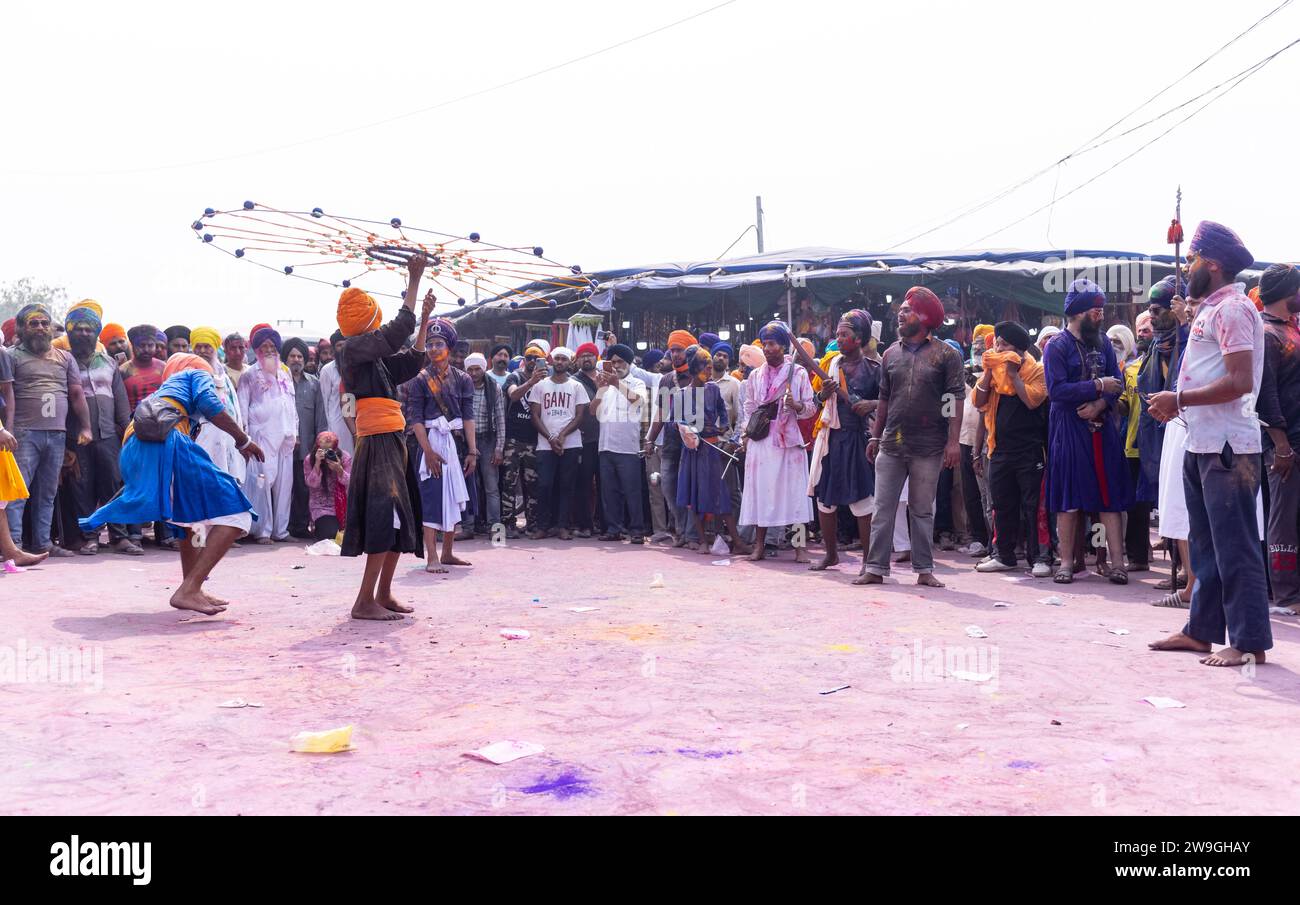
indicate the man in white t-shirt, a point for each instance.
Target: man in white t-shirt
{"x":558,"y":405}
{"x":1217,"y":388}
{"x":620,"y":408}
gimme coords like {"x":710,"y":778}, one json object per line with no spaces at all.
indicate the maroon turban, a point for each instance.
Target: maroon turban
{"x":926,"y":305}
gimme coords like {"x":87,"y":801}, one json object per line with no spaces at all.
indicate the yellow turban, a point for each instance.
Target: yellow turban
{"x":205,"y":335}
{"x":358,"y":313}
{"x":982,"y":330}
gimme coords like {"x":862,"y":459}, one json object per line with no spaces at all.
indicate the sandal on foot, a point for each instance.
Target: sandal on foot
{"x":1173,"y":601}
{"x":1117,"y":575}
{"x":1064,"y":576}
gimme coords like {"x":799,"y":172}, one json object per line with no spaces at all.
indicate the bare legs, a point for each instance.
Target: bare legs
{"x":375,"y":599}
{"x":197,"y":562}
{"x":9,"y":550}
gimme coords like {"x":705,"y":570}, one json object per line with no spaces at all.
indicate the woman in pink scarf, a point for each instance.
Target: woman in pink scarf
{"x":776,"y":466}
{"x":327,"y":471}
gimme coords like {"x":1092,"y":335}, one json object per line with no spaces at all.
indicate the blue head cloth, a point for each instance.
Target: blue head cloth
{"x":262,"y":336}
{"x":1218,"y":243}
{"x":723,"y":346}
{"x":709,"y":340}
{"x":834,"y":345}
{"x":514,"y":363}
{"x":83,"y":316}
{"x":961,"y":353}
{"x":27,"y":311}
{"x":776,"y":331}
{"x":1083,"y":295}
{"x":444,"y":328}
{"x":652,"y":358}
{"x":860,"y":320}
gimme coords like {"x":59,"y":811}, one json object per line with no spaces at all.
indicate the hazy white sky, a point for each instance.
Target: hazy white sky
{"x":859,"y":124}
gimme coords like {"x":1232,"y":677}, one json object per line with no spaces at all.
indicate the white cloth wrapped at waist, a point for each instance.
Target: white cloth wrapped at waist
{"x":455,"y":494}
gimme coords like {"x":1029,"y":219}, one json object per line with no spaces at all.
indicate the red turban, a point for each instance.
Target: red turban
{"x":587,"y":348}
{"x":926,"y":305}
{"x":10,"y":327}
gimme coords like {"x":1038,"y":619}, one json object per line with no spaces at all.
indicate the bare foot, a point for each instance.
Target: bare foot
{"x":372,"y":610}
{"x":197,"y":602}
{"x":826,"y":563}
{"x":1179,"y":641}
{"x":800,"y":555}
{"x":756,"y":555}
{"x":740,"y":548}
{"x":215,"y":601}
{"x":928,"y":580}
{"x":679,"y":541}
{"x":455,"y":561}
{"x":435,"y":568}
{"x":869,"y":578}
{"x":392,"y":605}
{"x":23,"y":558}
{"x":1230,"y":656}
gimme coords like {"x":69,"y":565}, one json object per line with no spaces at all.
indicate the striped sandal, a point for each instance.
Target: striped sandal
{"x":1173,"y":601}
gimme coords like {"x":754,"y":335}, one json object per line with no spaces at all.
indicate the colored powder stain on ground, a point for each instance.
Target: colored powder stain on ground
{"x":842,"y":648}
{"x":704,"y":755}
{"x":1024,"y":765}
{"x":567,"y":784}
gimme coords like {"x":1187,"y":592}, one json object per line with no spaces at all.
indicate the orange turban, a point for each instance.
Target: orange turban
{"x":112,"y":332}
{"x":1254,"y":297}
{"x":185,"y":361}
{"x":681,"y":338}
{"x":358,"y":313}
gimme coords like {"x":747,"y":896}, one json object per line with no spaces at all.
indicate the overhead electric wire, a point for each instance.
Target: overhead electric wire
{"x":1085,"y":146}
{"x":1239,"y":79}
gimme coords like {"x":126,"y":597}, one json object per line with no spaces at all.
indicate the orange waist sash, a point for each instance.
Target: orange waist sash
{"x":379,"y":416}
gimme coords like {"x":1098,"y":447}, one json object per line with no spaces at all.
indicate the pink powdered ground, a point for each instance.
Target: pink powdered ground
{"x":700,"y":697}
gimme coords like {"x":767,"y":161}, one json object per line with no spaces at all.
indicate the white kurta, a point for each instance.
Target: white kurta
{"x":218,"y":444}
{"x":329,"y":390}
{"x":776,"y":467}
{"x":271,"y":413}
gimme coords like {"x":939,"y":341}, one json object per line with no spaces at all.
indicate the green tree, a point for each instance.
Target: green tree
{"x":25,"y":291}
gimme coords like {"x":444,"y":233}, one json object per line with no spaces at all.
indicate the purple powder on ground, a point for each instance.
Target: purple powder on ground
{"x":701,"y":755}
{"x":1023,"y":765}
{"x":565,"y":785}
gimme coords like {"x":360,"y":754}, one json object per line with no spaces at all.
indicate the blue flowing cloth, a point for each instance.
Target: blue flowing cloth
{"x":173,"y":481}
{"x":1086,"y":470}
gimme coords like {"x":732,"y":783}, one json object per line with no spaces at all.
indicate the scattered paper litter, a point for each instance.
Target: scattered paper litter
{"x":719,"y":547}
{"x":1118,"y":631}
{"x":1281,"y":611}
{"x":722,"y":562}
{"x":238,"y":702}
{"x":657,"y":581}
{"x":1160,"y":703}
{"x":974,"y":631}
{"x":1010,"y":578}
{"x":516,"y":634}
{"x":330,"y":741}
{"x":505,"y":752}
{"x":966,"y":676}
{"x":1001,"y":605}
{"x":1053,"y":601}
{"x":833,"y":690}
{"x":961,"y":726}
{"x":583,"y":609}
{"x":324,"y":547}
